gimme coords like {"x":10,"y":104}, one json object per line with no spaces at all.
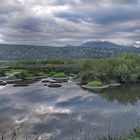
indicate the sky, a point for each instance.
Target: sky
{"x":61,"y":22}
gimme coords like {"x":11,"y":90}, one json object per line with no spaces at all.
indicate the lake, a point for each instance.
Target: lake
{"x":68,"y":112}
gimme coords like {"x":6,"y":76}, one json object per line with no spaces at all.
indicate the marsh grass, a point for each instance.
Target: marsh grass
{"x":95,"y":83}
{"x":59,"y":75}
{"x":87,"y":133}
{"x":92,"y":133}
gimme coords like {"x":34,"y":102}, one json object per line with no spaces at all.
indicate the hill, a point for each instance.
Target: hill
{"x":105,"y":44}
{"x":86,"y":50}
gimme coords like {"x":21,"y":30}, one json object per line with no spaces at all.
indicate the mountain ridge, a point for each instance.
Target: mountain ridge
{"x":104,"y":44}
{"x":88,"y":50}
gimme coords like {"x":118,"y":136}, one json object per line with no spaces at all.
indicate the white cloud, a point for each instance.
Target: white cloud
{"x":138,"y":42}
{"x":60,"y":22}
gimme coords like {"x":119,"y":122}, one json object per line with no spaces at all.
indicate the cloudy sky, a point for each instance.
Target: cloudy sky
{"x":60,"y":22}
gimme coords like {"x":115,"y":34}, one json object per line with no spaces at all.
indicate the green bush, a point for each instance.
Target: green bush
{"x":124,"y":68}
{"x":2,"y":73}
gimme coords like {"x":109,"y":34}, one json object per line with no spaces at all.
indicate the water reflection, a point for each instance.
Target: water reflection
{"x":126,"y":94}
{"x":68,"y":111}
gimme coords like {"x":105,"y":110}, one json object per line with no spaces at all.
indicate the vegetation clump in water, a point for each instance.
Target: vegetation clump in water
{"x":58,"y":75}
{"x":95,"y":83}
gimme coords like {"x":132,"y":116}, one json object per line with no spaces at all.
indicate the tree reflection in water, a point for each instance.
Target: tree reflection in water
{"x":126,"y":94}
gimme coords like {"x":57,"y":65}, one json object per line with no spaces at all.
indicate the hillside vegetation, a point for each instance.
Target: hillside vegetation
{"x":88,"y":50}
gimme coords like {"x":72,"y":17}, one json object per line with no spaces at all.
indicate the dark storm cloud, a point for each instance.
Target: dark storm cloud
{"x":3,"y":20}
{"x":72,"y":16}
{"x":6,"y":9}
{"x":125,"y":1}
{"x":64,"y":2}
{"x":33,"y":24}
{"x":117,"y":15}
{"x":59,"y":22}
{"x":103,"y":16}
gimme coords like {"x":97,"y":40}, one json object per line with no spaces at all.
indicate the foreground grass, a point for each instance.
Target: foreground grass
{"x":134,"y":135}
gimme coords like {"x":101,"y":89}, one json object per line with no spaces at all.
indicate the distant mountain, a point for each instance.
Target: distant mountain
{"x":86,"y":50}
{"x":104,"y":44}
{"x":69,"y":45}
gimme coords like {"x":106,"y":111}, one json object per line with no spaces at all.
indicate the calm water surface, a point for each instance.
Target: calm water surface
{"x":68,"y":112}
